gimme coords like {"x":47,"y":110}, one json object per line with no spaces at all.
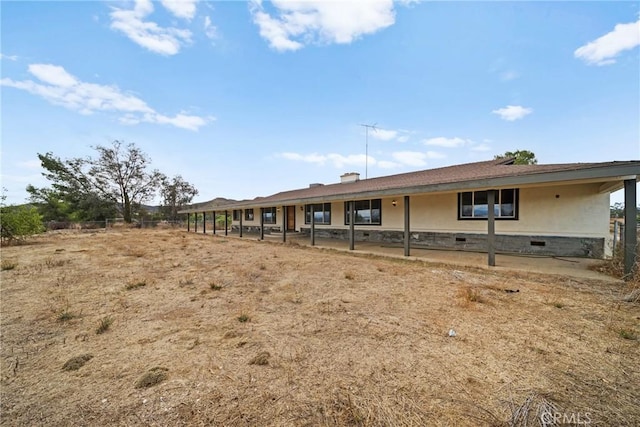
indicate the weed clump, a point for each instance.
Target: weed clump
{"x":243,"y":318}
{"x":51,"y":262}
{"x":77,"y":362}
{"x":8,"y":265}
{"x":135,"y":285}
{"x":214,"y":286}
{"x":260,"y":359}
{"x":152,"y":377}
{"x":65,"y":315}
{"x":104,"y":325}
{"x":627,"y":334}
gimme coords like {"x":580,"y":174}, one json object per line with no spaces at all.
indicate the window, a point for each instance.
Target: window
{"x":474,"y":204}
{"x":366,"y":212}
{"x":269,"y":215}
{"x":321,"y":213}
{"x":248,"y":214}
{"x":236,"y":214}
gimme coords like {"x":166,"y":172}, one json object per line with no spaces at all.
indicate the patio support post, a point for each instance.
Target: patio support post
{"x":352,"y":234}
{"x":204,"y":223}
{"x":214,"y":222}
{"x":226,"y":223}
{"x":261,"y":223}
{"x":630,"y":227}
{"x":241,"y":215}
{"x":313,"y":225}
{"x":284,"y":223}
{"x":195,"y":222}
{"x":407,"y":227}
{"x":188,"y":222}
{"x":491,"y":226}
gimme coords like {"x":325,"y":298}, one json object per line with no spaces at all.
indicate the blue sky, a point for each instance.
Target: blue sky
{"x":246,"y":99}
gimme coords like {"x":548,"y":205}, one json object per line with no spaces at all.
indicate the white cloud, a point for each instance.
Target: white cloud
{"x":30,"y":164}
{"x":512,"y":112}
{"x":442,"y":141}
{"x":386,"y":164}
{"x":185,"y":9}
{"x":61,"y":88}
{"x":53,"y":74}
{"x":480,"y":147}
{"x":603,"y":50}
{"x":410,"y":158}
{"x":317,"y":21}
{"x":509,"y":75}
{"x":210,"y":30}
{"x":337,"y":160}
{"x":403,"y":138}
{"x":9,"y":57}
{"x":383,"y":134}
{"x":165,"y":41}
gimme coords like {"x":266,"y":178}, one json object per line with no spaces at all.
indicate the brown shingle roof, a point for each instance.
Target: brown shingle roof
{"x":477,"y":174}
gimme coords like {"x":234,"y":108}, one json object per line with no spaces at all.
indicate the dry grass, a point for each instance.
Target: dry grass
{"x":320,"y":348}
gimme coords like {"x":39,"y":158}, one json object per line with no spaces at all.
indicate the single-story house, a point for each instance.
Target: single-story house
{"x":496,"y":205}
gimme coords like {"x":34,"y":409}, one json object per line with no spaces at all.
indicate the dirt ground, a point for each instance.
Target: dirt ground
{"x":162,"y":327}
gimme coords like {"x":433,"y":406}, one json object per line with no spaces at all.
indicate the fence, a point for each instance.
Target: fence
{"x":112,"y":223}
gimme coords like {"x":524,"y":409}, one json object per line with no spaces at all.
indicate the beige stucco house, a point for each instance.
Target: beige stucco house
{"x":554,"y":209}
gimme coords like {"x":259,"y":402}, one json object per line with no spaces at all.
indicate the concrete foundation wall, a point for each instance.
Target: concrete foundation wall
{"x":588,"y":247}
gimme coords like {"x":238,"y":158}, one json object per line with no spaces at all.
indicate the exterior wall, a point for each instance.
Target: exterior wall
{"x":564,"y":220}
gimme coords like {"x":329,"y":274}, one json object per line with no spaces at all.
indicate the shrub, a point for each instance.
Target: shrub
{"x":18,"y":222}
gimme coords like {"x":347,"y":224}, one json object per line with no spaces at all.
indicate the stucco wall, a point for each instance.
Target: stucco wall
{"x":578,"y":210}
{"x":563,"y":210}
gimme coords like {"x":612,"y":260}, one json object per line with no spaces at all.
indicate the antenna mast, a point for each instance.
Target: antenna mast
{"x":366,"y":152}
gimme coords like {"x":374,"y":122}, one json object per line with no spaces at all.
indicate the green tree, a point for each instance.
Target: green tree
{"x":118,"y":179}
{"x":176,"y":193}
{"x":18,"y":222}
{"x":617,"y":210}
{"x":522,"y":157}
{"x":71,"y":196}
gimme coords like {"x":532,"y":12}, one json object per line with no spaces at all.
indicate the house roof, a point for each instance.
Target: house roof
{"x":478,"y":175}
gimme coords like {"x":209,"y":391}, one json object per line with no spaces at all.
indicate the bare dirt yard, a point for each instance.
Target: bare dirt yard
{"x":134,"y":327}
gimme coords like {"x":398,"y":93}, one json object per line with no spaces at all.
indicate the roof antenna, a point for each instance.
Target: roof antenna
{"x":366,"y":153}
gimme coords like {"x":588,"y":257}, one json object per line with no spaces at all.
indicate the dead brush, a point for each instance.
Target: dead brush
{"x":52,"y":262}
{"x":135,"y":284}
{"x":8,"y":265}
{"x":152,"y":377}
{"x":77,"y":362}
{"x":468,"y":295}
{"x":534,"y":410}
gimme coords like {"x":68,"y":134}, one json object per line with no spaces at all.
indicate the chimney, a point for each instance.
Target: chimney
{"x":349,"y":177}
{"x":315,"y":184}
